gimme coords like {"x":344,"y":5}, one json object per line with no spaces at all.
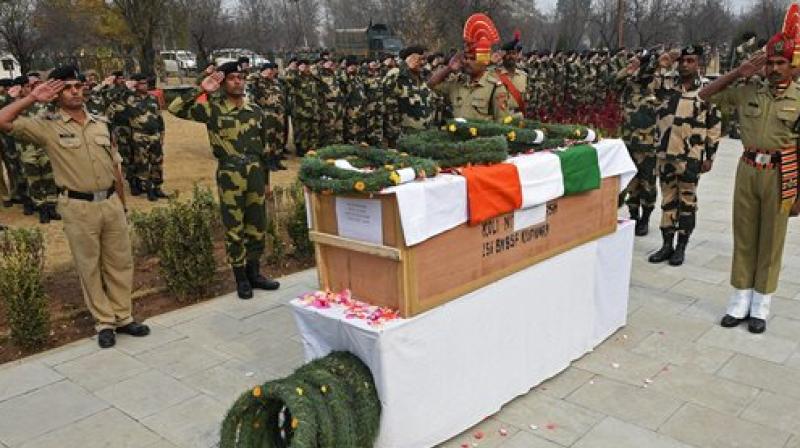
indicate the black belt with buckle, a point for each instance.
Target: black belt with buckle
{"x":91,"y":197}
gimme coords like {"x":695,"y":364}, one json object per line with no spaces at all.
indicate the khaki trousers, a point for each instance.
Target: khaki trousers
{"x":97,"y":233}
{"x":759,"y":229}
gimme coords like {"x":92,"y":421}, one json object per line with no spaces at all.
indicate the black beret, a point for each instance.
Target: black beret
{"x":351,"y":60}
{"x":20,"y":81}
{"x":229,"y":67}
{"x":303,"y":61}
{"x":292,"y":60}
{"x":138,"y":77}
{"x":117,"y":73}
{"x":82,"y":77}
{"x":267,"y":65}
{"x":64,"y":73}
{"x":747,"y":35}
{"x":34,"y":75}
{"x":692,"y":50}
{"x":408,"y":51}
{"x":512,"y":45}
{"x":243,"y":60}
{"x":6,"y":82}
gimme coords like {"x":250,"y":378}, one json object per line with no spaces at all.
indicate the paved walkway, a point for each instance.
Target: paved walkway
{"x":671,"y":378}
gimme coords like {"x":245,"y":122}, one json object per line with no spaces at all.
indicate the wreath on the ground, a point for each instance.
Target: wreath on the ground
{"x":331,"y":401}
{"x":366,"y":169}
{"x":450,"y":150}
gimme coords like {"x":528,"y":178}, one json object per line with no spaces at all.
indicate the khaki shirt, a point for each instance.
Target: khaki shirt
{"x":82,"y":156}
{"x":766,"y":120}
{"x":520,"y":80}
{"x":473,"y":100}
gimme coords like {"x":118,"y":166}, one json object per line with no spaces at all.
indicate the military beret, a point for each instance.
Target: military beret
{"x":408,"y":51}
{"x":82,"y":77}
{"x":692,"y":50}
{"x":229,"y":67}
{"x":20,"y":81}
{"x":64,"y":73}
{"x":243,"y":60}
{"x":138,"y":77}
{"x":351,"y":60}
{"x":747,"y":35}
{"x":118,"y":73}
{"x":303,"y":61}
{"x":34,"y":75}
{"x":6,"y":82}
{"x":267,"y":65}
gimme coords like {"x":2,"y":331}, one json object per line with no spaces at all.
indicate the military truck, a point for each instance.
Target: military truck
{"x":372,"y":41}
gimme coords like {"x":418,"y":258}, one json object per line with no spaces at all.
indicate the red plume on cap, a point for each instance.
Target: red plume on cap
{"x":787,"y":42}
{"x":517,"y":35}
{"x":479,"y":35}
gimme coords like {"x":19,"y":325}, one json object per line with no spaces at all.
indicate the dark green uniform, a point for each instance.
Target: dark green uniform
{"x":407,"y":99}
{"x":140,"y":113}
{"x":239,"y":141}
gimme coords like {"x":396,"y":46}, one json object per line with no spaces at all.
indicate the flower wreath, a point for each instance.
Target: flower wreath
{"x":450,"y":150}
{"x":364,"y":169}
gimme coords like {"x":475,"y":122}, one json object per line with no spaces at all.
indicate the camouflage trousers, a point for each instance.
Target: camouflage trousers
{"x":39,"y":176}
{"x":332,"y":126}
{"x":642,"y":189}
{"x":374,"y":128}
{"x":678,"y":179}
{"x":354,"y":126}
{"x":123,"y":138}
{"x":241,"y":185}
{"x":306,"y":134}
{"x":10,"y":156}
{"x":147,"y":158}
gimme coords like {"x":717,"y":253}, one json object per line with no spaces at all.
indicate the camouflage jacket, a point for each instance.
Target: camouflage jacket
{"x":688,"y":127}
{"x":331,"y":90}
{"x":270,"y":95}
{"x":305,"y":93}
{"x":235,"y":133}
{"x":407,"y":101}
{"x":138,"y":111}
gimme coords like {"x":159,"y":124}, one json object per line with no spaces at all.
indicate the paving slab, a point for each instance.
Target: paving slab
{"x":766,"y":346}
{"x":146,"y":394}
{"x":102,"y":430}
{"x":763,"y":374}
{"x":192,"y":424}
{"x":776,"y":411}
{"x":704,"y":389}
{"x":22,"y":378}
{"x":54,"y":406}
{"x":100,"y":369}
{"x":675,"y":349}
{"x":613,"y":433}
{"x":183,"y":358}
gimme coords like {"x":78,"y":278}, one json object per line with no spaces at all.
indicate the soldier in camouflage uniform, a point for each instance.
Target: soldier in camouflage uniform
{"x":237,"y":130}
{"x":638,"y":83}
{"x":269,"y":93}
{"x":354,"y":100}
{"x":374,"y":109}
{"x":306,"y":99}
{"x":406,"y":97}
{"x":12,"y":155}
{"x":689,"y":130}
{"x":121,"y":133}
{"x":333,"y":104}
{"x":96,"y":102}
{"x":138,"y":110}
{"x":41,"y":187}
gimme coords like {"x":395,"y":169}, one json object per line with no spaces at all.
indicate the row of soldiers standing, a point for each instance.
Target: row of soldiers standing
{"x":26,"y":174}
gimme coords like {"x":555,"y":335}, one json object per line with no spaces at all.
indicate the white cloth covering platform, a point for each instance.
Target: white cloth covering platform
{"x":441,"y":372}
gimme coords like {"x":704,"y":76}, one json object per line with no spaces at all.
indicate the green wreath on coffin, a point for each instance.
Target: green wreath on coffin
{"x":450,"y":150}
{"x":557,"y":131}
{"x":318,"y":170}
{"x":520,"y":139}
{"x":330,"y":402}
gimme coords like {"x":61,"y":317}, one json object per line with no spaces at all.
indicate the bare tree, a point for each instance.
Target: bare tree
{"x":144,"y":18}
{"x":653,"y":21}
{"x":603,"y":23}
{"x":207,"y":26}
{"x":706,"y":21}
{"x":572,"y":17}
{"x":18,"y":32}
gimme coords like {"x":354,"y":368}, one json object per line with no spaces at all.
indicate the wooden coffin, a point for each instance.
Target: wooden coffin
{"x":417,"y":278}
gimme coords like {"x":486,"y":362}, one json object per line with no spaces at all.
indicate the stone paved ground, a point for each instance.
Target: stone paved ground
{"x":671,"y":378}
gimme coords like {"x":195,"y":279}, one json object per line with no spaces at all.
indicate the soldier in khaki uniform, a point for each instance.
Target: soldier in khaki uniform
{"x":765,"y":191}
{"x":92,"y":202}
{"x":475,"y":93}
{"x":513,"y":78}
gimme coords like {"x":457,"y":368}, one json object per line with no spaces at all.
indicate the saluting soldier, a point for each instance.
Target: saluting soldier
{"x":86,"y":168}
{"x":375,"y":106}
{"x":407,"y":98}
{"x":765,"y":190}
{"x":138,"y":110}
{"x":354,"y":101}
{"x":689,"y":130}
{"x":239,"y":136}
{"x":270,"y":94}
{"x":513,"y":78}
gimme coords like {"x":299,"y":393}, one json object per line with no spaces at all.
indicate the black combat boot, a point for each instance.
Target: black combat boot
{"x":27,"y":207}
{"x":151,"y":192}
{"x":634,"y":213}
{"x":136,"y":186}
{"x":243,"y":288}
{"x":44,"y":214}
{"x":680,"y":251}
{"x":257,"y":280}
{"x":8,"y":204}
{"x":643,"y":224}
{"x":666,"y":250}
{"x":54,"y":215}
{"x":158,"y":192}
